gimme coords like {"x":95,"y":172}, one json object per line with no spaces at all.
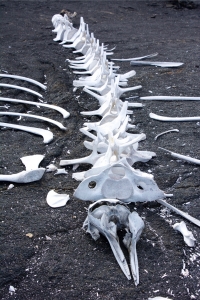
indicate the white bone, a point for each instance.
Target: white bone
{"x":183,"y":157}
{"x":120,"y":182}
{"x":136,"y":225}
{"x":21,"y":88}
{"x":65,"y":113}
{"x":56,"y":200}
{"x":61,"y":171}
{"x":173,"y":119}
{"x":32,"y":173}
{"x":136,"y":58}
{"x":159,"y":298}
{"x":107,"y":219}
{"x":46,"y":134}
{"x":32,"y":162}
{"x":187,"y":235}
{"x":178,"y":211}
{"x":34,"y":116}
{"x":156,"y":63}
{"x":26,"y":79}
{"x":170,"y":98}
{"x":51,"y":168}
{"x":164,"y":132}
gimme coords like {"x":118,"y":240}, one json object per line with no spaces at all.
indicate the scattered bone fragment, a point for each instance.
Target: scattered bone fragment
{"x":11,"y":290}
{"x":173,"y":119}
{"x":183,"y":157}
{"x":11,"y":186}
{"x":46,"y":134}
{"x":34,"y":116}
{"x":30,"y":235}
{"x":61,"y":171}
{"x":56,"y":200}
{"x":187,"y":235}
{"x":25,"y":79}
{"x":171,"y":130}
{"x":51,"y":168}
{"x":32,"y":162}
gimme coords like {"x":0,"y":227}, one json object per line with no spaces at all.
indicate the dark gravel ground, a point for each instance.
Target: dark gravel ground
{"x":72,"y":265}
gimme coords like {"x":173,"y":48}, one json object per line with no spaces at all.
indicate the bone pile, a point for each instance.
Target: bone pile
{"x":112,"y":180}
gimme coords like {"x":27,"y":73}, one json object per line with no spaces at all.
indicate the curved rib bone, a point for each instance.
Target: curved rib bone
{"x":136,"y":58}
{"x":171,"y":130}
{"x":156,"y":63}
{"x":170,"y":98}
{"x":183,"y":157}
{"x":175,"y":119}
{"x":61,"y":110}
{"x":34,"y":116}
{"x":25,"y":79}
{"x":46,"y":134}
{"x":21,"y":88}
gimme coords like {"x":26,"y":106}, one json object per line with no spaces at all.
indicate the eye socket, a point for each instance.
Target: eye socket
{"x":92,"y":184}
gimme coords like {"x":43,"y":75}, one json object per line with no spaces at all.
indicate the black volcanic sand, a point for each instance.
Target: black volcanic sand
{"x":72,"y":265}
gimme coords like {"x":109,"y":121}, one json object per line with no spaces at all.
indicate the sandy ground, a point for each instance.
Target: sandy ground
{"x":71,"y":265}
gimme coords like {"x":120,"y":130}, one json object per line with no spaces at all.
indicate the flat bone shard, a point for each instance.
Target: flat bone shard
{"x":187,"y":235}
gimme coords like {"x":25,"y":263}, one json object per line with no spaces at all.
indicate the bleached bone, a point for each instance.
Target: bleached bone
{"x":61,"y":110}
{"x":183,"y":157}
{"x":46,"y":134}
{"x":136,"y":226}
{"x":180,"y":212}
{"x":73,"y":35}
{"x":170,"y":98}
{"x":173,"y":119}
{"x":21,"y":88}
{"x":56,"y":200}
{"x":136,"y":58}
{"x":51,"y":168}
{"x":100,"y":221}
{"x":57,"y":19}
{"x":32,"y":162}
{"x":32,"y":173}
{"x":25,"y":79}
{"x":187,"y":235}
{"x":159,"y":298}
{"x":120,"y":182}
{"x":69,"y":29}
{"x":60,"y":33}
{"x":61,"y":171}
{"x":171,"y":130}
{"x":91,"y":159}
{"x":156,"y":63}
{"x":107,"y":219}
{"x":82,"y":36}
{"x":34,"y":116}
